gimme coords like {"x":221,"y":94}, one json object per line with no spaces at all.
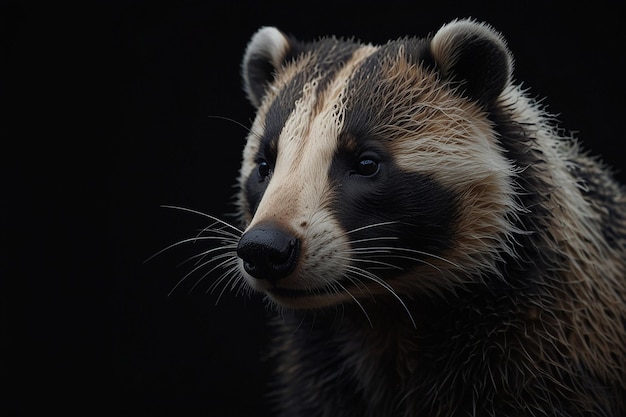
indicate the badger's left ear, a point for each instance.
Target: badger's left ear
{"x":474,"y":55}
{"x":265,"y":53}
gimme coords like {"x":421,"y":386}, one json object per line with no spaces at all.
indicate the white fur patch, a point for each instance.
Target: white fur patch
{"x":296,"y":196}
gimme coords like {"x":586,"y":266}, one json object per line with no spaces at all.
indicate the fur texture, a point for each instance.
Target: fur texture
{"x":430,"y":242}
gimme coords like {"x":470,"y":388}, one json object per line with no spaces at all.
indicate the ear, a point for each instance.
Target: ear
{"x":474,"y":55}
{"x":265,"y":53}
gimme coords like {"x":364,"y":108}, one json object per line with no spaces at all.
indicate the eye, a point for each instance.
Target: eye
{"x":264,"y":169}
{"x":366,"y":167}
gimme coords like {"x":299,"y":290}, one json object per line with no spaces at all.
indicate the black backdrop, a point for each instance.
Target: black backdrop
{"x":113,"y":109}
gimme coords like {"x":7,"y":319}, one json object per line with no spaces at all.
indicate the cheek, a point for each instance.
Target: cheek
{"x":413,"y":209}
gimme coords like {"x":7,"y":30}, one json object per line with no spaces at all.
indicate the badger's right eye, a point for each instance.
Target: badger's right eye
{"x":264,"y":169}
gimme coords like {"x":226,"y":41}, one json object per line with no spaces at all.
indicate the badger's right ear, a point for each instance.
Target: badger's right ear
{"x":264,"y":54}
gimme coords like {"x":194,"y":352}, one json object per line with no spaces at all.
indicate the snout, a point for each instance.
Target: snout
{"x":269,"y":252}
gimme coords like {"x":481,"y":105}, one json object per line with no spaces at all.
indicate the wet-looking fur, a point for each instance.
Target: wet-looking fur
{"x":430,"y":242}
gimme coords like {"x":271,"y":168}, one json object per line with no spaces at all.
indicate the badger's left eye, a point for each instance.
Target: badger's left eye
{"x":366,"y":167}
{"x":264,"y":169}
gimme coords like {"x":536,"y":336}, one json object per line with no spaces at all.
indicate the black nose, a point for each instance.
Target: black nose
{"x":268,"y":252}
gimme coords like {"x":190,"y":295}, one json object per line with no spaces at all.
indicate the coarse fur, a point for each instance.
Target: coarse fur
{"x":429,"y":241}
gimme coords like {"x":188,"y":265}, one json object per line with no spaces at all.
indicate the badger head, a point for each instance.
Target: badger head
{"x":373,"y":171}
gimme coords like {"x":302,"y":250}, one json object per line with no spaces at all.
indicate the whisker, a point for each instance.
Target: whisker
{"x":219,"y":257}
{"x":391,"y":249}
{"x":371,"y":261}
{"x":359,"y":284}
{"x":368,"y":275}
{"x":371,"y":239}
{"x":394,"y":248}
{"x":358,"y":229}
{"x":182,"y":242}
{"x":228,"y":272}
{"x":357,"y":302}
{"x":206,"y":253}
{"x":242,"y":287}
{"x":219,"y":231}
{"x":216,"y":219}
{"x":202,"y":265}
{"x":396,"y":256}
{"x":234,"y":277}
{"x":228,"y":119}
{"x":232,"y":269}
{"x":228,"y":259}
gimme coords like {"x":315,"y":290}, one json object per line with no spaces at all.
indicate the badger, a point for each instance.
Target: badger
{"x":428,"y":239}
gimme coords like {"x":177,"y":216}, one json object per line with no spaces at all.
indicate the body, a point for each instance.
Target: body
{"x":429,"y":242}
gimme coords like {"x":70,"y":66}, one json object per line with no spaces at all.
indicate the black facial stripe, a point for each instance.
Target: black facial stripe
{"x":330,"y":56}
{"x":361,"y":108}
{"x":283,"y":106}
{"x":420,"y":212}
{"x":364,"y":110}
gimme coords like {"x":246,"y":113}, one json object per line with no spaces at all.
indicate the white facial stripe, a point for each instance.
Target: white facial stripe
{"x":256,"y":132}
{"x":305,"y":150}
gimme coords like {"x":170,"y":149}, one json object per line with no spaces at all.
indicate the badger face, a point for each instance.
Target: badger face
{"x":373,"y":171}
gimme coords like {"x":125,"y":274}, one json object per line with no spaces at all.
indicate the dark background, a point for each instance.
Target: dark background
{"x":109,"y":113}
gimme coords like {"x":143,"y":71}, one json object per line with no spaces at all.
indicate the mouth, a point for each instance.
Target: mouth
{"x":332,"y":293}
{"x":297,"y":293}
